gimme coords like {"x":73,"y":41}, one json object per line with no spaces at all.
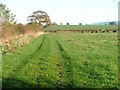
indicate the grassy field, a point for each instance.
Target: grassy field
{"x":64,"y":60}
{"x":82,"y":27}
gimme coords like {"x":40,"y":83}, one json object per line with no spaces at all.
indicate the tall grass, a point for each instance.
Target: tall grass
{"x":14,"y":35}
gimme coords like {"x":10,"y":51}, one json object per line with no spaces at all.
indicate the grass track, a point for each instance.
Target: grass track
{"x":64,"y":60}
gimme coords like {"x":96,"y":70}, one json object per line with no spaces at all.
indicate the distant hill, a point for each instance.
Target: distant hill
{"x":103,"y":23}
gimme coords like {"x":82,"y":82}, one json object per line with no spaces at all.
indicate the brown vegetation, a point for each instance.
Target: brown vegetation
{"x":10,"y":32}
{"x":14,"y":36}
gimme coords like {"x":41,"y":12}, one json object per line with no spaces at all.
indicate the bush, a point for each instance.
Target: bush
{"x":10,"y":31}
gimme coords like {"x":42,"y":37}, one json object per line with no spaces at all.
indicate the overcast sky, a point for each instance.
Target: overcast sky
{"x":63,"y":11}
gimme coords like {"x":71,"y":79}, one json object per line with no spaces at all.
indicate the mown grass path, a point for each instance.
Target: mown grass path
{"x":64,"y":60}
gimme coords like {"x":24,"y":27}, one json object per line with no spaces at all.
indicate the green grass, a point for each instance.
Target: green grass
{"x":81,"y":27}
{"x":64,"y":60}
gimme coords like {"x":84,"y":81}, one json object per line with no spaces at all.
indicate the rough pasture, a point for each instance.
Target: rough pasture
{"x":64,"y":60}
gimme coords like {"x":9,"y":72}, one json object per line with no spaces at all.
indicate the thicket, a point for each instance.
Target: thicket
{"x":15,"y":36}
{"x":10,"y":31}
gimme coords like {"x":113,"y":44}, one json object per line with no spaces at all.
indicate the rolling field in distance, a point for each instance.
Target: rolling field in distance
{"x":82,"y":27}
{"x":64,"y":60}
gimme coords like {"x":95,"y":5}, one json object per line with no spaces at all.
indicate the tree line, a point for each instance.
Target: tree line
{"x":110,"y":23}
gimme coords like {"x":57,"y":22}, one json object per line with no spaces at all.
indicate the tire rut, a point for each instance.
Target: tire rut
{"x":67,"y":63}
{"x":26,"y":60}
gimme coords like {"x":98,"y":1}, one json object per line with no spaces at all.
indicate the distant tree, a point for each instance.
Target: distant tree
{"x":54,"y":23}
{"x":80,"y":23}
{"x":67,"y":23}
{"x":6,"y":15}
{"x":40,"y":17}
{"x":112,"y":23}
{"x":61,"y":23}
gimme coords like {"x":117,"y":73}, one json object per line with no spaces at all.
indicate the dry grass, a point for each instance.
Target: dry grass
{"x":14,"y":36}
